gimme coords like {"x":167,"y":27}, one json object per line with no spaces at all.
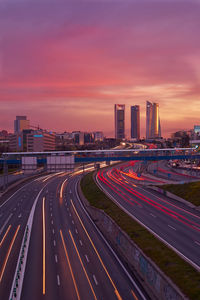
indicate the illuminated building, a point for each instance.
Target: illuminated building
{"x":153,"y":129}
{"x":119,"y":121}
{"x":135,"y":122}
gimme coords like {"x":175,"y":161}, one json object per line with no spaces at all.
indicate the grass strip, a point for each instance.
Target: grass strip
{"x":180,"y":272}
{"x":188,"y":191}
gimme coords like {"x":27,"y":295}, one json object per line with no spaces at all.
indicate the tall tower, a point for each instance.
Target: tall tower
{"x":119,"y":121}
{"x":153,"y":129}
{"x":135,"y":122}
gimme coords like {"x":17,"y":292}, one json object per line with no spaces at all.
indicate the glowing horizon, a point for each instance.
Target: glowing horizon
{"x":65,"y":65}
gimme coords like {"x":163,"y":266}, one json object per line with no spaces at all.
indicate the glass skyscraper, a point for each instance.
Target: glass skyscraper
{"x":153,"y":129}
{"x":119,"y":121}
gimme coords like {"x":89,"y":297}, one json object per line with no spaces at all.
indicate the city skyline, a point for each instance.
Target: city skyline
{"x":67,"y":71}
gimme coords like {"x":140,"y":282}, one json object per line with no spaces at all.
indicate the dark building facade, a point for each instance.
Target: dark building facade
{"x":135,"y":122}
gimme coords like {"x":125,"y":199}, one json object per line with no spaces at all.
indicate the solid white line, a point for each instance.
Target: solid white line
{"x":58,"y":280}
{"x":56,"y":258}
{"x":5,"y":223}
{"x":95,"y":280}
{"x":197,"y":243}
{"x":108,"y":245}
{"x":87,"y":258}
{"x":171,"y":227}
{"x":150,"y":230}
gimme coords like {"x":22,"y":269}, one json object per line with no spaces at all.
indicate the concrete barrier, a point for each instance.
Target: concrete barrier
{"x":172,"y":196}
{"x":157,"y":284}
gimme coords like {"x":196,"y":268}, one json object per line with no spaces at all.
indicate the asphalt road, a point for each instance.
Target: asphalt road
{"x":67,"y":257}
{"x":174,"y":223}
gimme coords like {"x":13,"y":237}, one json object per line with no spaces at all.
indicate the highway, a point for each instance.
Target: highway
{"x":175,"y":224}
{"x":67,"y":257}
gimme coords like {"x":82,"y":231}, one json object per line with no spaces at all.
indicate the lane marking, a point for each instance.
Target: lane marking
{"x":87,"y":258}
{"x":43,"y":214}
{"x":5,"y":223}
{"x":198,"y":243}
{"x":171,"y":227}
{"x":56,"y":258}
{"x":68,"y":261}
{"x":73,"y":222}
{"x":53,"y":231}
{"x":95,"y":280}
{"x":82,"y":265}
{"x":58,"y":280}
{"x":19,"y":215}
{"x":80,"y":242}
{"x":8,"y":229}
{"x":54,"y":243}
{"x":76,"y":231}
{"x":52,"y":222}
{"x":8,"y":253}
{"x":97,"y":253}
{"x":152,"y":215}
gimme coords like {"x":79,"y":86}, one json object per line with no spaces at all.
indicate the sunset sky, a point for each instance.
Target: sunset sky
{"x":65,"y":64}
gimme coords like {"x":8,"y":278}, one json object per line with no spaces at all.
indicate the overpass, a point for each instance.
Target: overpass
{"x":86,"y":156}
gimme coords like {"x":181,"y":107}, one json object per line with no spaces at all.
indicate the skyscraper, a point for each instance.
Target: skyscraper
{"x":153,"y":129}
{"x":119,"y":121}
{"x":135,"y":122}
{"x":21,"y":123}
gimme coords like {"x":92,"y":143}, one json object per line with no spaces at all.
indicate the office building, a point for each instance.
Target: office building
{"x":119,"y":121}
{"x":135,"y":122}
{"x":41,"y":141}
{"x":153,"y":129}
{"x":16,"y":142}
{"x":21,"y":123}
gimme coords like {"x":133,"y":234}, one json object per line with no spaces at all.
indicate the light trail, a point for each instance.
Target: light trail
{"x":77,"y":252}
{"x":1,"y":243}
{"x":8,"y":253}
{"x":97,"y":253}
{"x":61,"y":191}
{"x":153,"y":203}
{"x":70,"y":267}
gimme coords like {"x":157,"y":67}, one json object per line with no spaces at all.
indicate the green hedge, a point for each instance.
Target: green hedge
{"x":188,"y":191}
